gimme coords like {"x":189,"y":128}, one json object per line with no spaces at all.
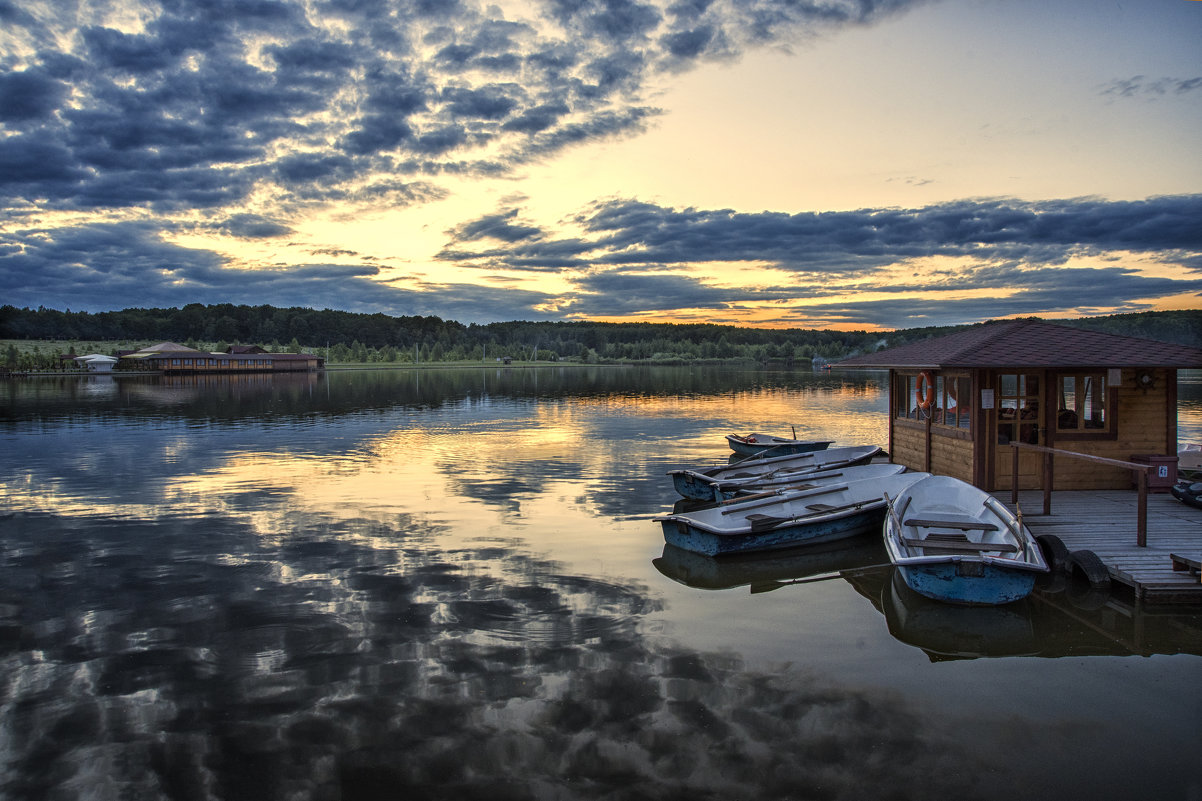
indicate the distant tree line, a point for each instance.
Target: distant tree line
{"x":352,"y":337}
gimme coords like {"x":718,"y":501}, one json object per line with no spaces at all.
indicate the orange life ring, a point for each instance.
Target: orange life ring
{"x":924,"y":393}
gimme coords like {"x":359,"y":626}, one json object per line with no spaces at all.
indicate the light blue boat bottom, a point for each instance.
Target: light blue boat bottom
{"x":959,"y":583}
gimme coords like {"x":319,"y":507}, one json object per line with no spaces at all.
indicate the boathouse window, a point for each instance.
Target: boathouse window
{"x":907,"y":391}
{"x":1018,"y":409}
{"x":942,"y":392}
{"x":955,"y":413}
{"x":175,"y":362}
{"x":1081,"y":403}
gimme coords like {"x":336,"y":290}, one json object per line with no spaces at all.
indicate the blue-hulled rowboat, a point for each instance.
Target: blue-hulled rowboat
{"x":701,"y":484}
{"x":955,"y":543}
{"x":787,"y":519}
{"x":727,"y":490}
{"x":752,"y":444}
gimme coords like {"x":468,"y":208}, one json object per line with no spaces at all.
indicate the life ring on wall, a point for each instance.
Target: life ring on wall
{"x":924,"y":393}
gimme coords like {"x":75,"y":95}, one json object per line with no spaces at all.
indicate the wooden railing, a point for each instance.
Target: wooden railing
{"x":1141,"y":473}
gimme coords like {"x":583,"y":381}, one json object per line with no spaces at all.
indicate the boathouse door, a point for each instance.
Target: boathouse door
{"x":1018,"y":414}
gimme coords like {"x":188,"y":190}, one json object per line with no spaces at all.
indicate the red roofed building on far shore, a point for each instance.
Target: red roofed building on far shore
{"x":957,"y":402}
{"x":168,"y":357}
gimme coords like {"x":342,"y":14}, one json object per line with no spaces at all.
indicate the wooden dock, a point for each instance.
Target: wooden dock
{"x":1104,"y":521}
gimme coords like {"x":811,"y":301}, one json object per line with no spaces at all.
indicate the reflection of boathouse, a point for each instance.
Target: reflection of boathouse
{"x":168,"y":357}
{"x":957,"y":402}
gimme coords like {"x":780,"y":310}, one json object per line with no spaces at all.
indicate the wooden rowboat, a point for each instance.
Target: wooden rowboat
{"x":751,"y":444}
{"x":955,"y":543}
{"x":787,"y":519}
{"x":700,"y":484}
{"x":800,"y":480}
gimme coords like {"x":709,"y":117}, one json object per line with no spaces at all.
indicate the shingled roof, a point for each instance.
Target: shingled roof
{"x":1029,"y":343}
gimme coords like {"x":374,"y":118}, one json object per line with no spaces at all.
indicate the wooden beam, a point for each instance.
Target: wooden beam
{"x":1141,"y":477}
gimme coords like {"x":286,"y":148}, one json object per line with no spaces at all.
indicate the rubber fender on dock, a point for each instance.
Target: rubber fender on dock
{"x":1086,"y":566}
{"x":1055,"y":553}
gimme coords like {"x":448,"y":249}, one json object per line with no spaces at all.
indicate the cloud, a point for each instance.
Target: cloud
{"x":632,"y":232}
{"x":118,"y":263}
{"x":124,"y":127}
{"x":29,"y":94}
{"x":1159,"y":87}
{"x":496,"y":226}
{"x":636,"y":259}
{"x":633,"y":255}
{"x":253,"y":226}
{"x":256,"y":93}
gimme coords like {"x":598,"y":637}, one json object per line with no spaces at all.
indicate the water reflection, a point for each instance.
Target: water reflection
{"x":1061,"y":617}
{"x":169,"y":658}
{"x":390,"y":584}
{"x":764,"y":572}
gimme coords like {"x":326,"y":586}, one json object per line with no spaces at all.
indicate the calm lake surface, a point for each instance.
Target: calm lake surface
{"x":447,"y":584}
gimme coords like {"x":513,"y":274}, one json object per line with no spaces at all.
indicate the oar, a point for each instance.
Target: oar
{"x":763,"y":522}
{"x":807,"y":475}
{"x":821,"y":491}
{"x":769,"y":586}
{"x":745,"y":498}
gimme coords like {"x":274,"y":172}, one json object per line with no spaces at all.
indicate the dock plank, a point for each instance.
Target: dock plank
{"x":1104,"y":521}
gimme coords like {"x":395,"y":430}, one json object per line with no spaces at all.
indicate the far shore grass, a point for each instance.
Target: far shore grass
{"x":47,"y":347}
{"x":54,"y":348}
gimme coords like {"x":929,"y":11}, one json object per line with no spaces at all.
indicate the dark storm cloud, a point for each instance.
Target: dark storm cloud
{"x":1020,"y":250}
{"x":629,"y":232}
{"x":111,"y":266}
{"x":614,"y":20}
{"x":246,"y":89}
{"x":537,"y":119}
{"x":191,"y":110}
{"x":107,"y":266}
{"x":473,"y":303}
{"x":617,"y":294}
{"x":31,"y":166}
{"x":487,"y":103}
{"x":496,"y":226}
{"x":29,"y":95}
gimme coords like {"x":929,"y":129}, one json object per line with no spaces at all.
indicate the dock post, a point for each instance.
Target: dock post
{"x":1141,"y":530}
{"x":1014,"y":477}
{"x":1047,"y":483}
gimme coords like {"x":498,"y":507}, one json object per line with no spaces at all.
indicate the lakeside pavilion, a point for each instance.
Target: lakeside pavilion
{"x":958,"y":403}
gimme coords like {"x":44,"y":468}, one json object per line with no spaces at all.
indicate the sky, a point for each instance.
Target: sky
{"x":842,"y":164}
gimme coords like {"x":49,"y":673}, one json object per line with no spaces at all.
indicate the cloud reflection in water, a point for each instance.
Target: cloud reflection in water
{"x":345,"y":661}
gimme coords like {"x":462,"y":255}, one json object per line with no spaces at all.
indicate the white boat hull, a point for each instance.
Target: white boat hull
{"x":785,"y":520}
{"x":955,"y":543}
{"x":699,"y":485}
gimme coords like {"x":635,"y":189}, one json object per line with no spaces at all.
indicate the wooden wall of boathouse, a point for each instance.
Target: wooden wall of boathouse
{"x":1141,"y":422}
{"x":1146,"y":423}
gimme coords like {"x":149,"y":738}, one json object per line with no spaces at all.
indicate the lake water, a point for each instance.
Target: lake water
{"x":447,"y":584}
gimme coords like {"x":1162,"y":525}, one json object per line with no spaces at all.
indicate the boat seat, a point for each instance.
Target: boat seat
{"x":963,"y":546}
{"x":964,"y":525}
{"x":760,"y":522}
{"x":821,"y":507}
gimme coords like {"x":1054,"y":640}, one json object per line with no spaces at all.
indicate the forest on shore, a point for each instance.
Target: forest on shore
{"x":349,"y":337}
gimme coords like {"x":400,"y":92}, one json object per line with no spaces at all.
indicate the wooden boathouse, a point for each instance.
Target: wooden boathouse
{"x":958,"y":403}
{"x":1021,"y":405}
